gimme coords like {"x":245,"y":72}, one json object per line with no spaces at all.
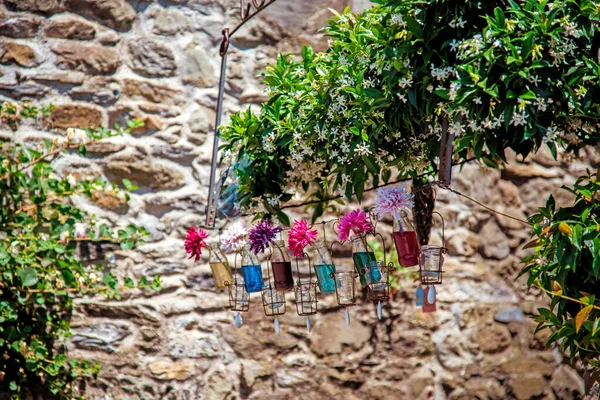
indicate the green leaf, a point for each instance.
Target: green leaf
{"x":413,"y":26}
{"x":127,"y":244}
{"x":131,"y":229}
{"x":283,"y":218}
{"x":12,"y":386}
{"x":28,"y":276}
{"x":500,"y":19}
{"x":129,"y":185}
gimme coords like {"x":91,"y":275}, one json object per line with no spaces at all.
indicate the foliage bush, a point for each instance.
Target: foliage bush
{"x":497,"y":74}
{"x":566,"y":266}
{"x":41,"y":274}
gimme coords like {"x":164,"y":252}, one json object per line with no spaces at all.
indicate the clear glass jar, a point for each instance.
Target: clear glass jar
{"x":362,"y":257}
{"x":344,"y":287}
{"x":405,"y":239}
{"x":251,"y":271}
{"x":430,"y":264}
{"x":219,"y":266}
{"x":324,"y":268}
{"x":281,"y":265}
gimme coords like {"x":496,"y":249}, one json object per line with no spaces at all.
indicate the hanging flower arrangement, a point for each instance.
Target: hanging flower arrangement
{"x":393,"y":200}
{"x":262,"y":235}
{"x":194,"y":242}
{"x":300,"y":236}
{"x":235,"y":237}
{"x":355,"y":221}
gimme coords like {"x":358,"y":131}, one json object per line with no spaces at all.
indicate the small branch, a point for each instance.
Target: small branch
{"x":562,"y":296}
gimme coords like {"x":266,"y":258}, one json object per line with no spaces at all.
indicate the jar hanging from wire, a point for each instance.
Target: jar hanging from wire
{"x":362,"y":257}
{"x":251,"y":271}
{"x":219,"y":266}
{"x":324,"y":268}
{"x":281,"y":266}
{"x":405,"y":239}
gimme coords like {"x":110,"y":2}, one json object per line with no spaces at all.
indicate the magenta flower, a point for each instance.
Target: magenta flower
{"x":262,"y":235}
{"x":392,"y":200}
{"x":355,"y":221}
{"x":299,"y":237}
{"x":194,"y":242}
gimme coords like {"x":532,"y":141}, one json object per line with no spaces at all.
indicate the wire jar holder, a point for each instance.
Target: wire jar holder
{"x":306,"y":292}
{"x":431,"y":260}
{"x":239,"y":298}
{"x":273,"y":300}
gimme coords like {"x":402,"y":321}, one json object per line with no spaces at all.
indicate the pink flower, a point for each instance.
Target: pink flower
{"x":392,"y":200}
{"x":299,"y":237}
{"x":194,"y":242}
{"x":355,"y":221}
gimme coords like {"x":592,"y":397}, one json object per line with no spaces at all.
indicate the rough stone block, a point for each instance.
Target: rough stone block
{"x":95,"y":60}
{"x":70,"y":28}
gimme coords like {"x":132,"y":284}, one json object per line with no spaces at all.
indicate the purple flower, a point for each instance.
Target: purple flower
{"x":262,"y":235}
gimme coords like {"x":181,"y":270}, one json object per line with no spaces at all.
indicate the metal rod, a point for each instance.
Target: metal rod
{"x":210,"y":218}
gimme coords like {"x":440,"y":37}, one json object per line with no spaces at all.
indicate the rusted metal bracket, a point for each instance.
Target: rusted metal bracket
{"x":248,"y":10}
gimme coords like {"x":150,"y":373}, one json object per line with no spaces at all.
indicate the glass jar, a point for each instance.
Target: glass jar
{"x":405,"y":239}
{"x":377,"y":276}
{"x":281,"y":266}
{"x":324,"y":268}
{"x":430,"y":264}
{"x":344,"y":287}
{"x":219,"y":266}
{"x":362,"y":257}
{"x":251,"y":271}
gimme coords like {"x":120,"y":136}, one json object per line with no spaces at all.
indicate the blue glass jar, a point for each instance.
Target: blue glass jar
{"x":324,"y":268}
{"x":252,"y":271}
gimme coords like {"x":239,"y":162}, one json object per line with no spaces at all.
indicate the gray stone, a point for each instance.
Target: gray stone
{"x":94,"y":60}
{"x":69,"y":28}
{"x":192,"y":344}
{"x":169,"y":22}
{"x":98,"y":89}
{"x":100,"y":336}
{"x":116,"y":14}
{"x":197,"y":69}
{"x":509,"y":314}
{"x":23,"y":90}
{"x":151,"y":58}
{"x":20,"y":27}
{"x":494,"y":241}
{"x":107,"y":37}
{"x":201,"y":124}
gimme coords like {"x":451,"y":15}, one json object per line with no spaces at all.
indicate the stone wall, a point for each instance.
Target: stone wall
{"x":104,"y":61}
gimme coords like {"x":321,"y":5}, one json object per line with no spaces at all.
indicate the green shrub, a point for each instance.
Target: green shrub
{"x":566,"y":266}
{"x":41,"y":274}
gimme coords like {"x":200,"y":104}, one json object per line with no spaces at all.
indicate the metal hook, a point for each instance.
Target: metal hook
{"x":443,"y":230}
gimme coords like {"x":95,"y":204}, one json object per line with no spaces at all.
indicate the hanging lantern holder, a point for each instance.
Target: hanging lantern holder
{"x":273,"y":300}
{"x":378,"y":274}
{"x":344,"y":283}
{"x":239,"y":298}
{"x":306,"y":292}
{"x":431,"y":260}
